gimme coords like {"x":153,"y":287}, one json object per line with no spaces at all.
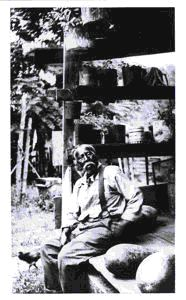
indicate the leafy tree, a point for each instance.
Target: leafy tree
{"x":27,"y":24}
{"x":36,"y":27}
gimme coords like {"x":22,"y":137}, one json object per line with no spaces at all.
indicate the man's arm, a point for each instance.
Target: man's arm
{"x":132,"y":195}
{"x":70,"y":213}
{"x":65,"y":235}
{"x":133,"y":202}
{"x":71,"y":209}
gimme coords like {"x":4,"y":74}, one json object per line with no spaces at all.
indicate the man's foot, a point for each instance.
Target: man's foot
{"x":47,"y":291}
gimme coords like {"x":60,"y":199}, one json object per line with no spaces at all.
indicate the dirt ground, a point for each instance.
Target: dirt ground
{"x":31,"y":226}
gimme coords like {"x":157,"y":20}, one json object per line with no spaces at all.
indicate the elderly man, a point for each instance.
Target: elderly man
{"x":105,"y":208}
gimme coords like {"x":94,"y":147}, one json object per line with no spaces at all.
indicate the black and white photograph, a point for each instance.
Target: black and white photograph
{"x":92,"y":148}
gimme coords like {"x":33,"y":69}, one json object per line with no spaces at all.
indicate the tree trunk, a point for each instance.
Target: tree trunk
{"x":27,"y":147}
{"x":20,"y":149}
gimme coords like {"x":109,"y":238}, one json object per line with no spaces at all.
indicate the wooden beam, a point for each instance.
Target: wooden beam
{"x":115,"y":93}
{"x":111,"y":48}
{"x":91,"y":94}
{"x":70,"y":80}
{"x":147,"y":169}
{"x":103,"y":49}
{"x":136,"y":31}
{"x":135,"y":150}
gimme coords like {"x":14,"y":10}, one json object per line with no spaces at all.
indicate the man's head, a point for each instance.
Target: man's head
{"x":85,"y":159}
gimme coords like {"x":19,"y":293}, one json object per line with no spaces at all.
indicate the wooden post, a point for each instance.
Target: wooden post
{"x":126,"y":166}
{"x":26,"y":160}
{"x":131,"y":168}
{"x":147,"y":169}
{"x":70,"y":80}
{"x":75,"y":38}
{"x":20,"y":148}
{"x":67,"y":130}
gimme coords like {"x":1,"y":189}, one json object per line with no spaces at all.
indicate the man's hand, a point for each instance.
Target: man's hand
{"x":119,"y":227}
{"x":65,"y":235}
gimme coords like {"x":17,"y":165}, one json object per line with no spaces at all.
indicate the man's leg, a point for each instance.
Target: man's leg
{"x":49,"y":257}
{"x":73,"y":257}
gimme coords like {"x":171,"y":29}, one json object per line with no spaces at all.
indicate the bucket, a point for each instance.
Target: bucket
{"x":136,"y":135}
{"x":133,"y":75}
{"x":107,"y":77}
{"x":87,"y":76}
{"x":116,"y":134}
{"x":86,"y":134}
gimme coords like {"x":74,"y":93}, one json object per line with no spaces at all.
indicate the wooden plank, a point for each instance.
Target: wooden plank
{"x":147,"y":169}
{"x":135,"y":150}
{"x":128,"y":38}
{"x":163,"y":235}
{"x":103,"y":49}
{"x":70,"y":79}
{"x":110,"y":94}
{"x":98,"y":284}
{"x":157,"y":37}
{"x":111,"y":48}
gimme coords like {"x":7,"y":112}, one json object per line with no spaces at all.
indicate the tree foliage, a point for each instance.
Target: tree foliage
{"x":32,"y":28}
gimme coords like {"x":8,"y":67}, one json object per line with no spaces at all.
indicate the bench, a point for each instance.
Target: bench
{"x":100,"y":280}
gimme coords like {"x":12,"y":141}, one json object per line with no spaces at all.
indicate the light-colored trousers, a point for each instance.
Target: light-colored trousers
{"x":65,"y":268}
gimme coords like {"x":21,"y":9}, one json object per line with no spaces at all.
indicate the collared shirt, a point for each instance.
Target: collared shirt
{"x":122,"y":198}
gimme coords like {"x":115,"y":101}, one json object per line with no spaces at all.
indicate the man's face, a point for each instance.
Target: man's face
{"x":86,"y":160}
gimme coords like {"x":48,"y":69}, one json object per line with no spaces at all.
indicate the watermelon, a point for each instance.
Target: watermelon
{"x":156,"y":273}
{"x":123,"y":259}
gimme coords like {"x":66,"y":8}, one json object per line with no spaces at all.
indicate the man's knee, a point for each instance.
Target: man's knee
{"x":72,"y":255}
{"x":64,"y":257}
{"x":49,"y":252}
{"x":44,"y":251}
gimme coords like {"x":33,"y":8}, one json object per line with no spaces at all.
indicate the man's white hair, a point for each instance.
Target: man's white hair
{"x":83,"y":146}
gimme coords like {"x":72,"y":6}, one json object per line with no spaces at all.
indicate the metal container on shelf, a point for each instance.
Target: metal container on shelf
{"x":116,"y":134}
{"x":136,"y":135}
{"x":88,"y":76}
{"x":107,"y":77}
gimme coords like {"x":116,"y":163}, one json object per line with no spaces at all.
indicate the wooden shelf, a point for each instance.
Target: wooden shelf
{"x":138,"y":31}
{"x":152,"y":32}
{"x":118,"y":93}
{"x":44,"y":56}
{"x":108,"y":48}
{"x":103,"y":49}
{"x":90,"y":94}
{"x":135,"y":150}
